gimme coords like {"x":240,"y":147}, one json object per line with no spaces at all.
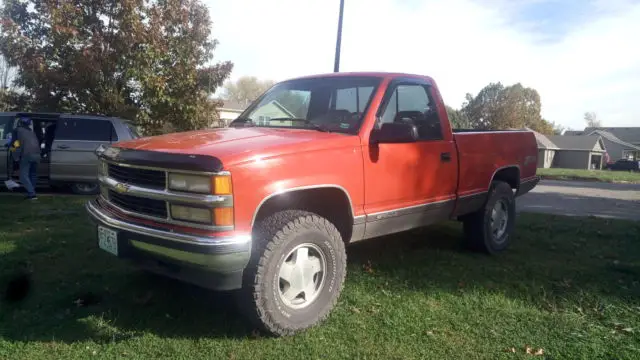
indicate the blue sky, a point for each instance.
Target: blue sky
{"x":581,"y":55}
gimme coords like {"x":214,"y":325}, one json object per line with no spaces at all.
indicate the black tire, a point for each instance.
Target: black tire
{"x":275,"y":237}
{"x":478,"y":230}
{"x":85,"y":188}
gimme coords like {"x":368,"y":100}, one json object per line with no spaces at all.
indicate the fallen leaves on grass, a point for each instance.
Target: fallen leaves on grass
{"x":531,"y":351}
{"x":87,"y":299}
{"x":618,"y":327}
{"x":527,"y":349}
{"x":367,"y":267}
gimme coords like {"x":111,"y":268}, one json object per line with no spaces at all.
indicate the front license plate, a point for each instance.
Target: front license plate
{"x":108,"y":240}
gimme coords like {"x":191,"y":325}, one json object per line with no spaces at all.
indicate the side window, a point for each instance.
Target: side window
{"x":84,"y":130}
{"x":413,"y":103}
{"x":6,"y":125}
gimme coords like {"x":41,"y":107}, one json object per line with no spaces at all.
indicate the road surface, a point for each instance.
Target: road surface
{"x":583,"y":198}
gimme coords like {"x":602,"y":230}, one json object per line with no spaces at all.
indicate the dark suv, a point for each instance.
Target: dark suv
{"x":68,"y":143}
{"x":624,"y":165}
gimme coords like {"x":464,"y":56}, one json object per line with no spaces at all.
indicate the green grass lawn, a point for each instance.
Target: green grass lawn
{"x":592,"y":175}
{"x":569,"y":286}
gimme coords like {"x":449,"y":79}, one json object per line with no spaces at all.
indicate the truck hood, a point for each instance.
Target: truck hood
{"x":234,"y":145}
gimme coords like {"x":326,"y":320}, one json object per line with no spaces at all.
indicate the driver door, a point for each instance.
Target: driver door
{"x":408,"y":185}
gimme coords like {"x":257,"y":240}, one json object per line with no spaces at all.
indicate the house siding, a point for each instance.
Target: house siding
{"x":613,"y":149}
{"x":599,"y":146}
{"x":545,"y":158}
{"x":572,"y":159}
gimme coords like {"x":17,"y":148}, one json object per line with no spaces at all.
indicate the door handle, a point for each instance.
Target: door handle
{"x":63,"y":147}
{"x":445,"y":157}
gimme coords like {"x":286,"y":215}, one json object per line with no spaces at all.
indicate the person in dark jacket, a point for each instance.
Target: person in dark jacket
{"x":27,"y":144}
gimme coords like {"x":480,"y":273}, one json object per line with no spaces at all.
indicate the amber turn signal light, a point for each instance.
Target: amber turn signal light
{"x":222,"y":185}
{"x":223,"y":216}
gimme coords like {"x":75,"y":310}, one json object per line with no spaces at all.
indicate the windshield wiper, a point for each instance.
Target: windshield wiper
{"x":309,"y":124}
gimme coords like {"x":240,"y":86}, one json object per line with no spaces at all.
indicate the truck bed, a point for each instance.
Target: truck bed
{"x":482,"y":153}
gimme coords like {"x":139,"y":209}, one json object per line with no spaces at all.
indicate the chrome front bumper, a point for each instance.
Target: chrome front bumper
{"x":187,"y":252}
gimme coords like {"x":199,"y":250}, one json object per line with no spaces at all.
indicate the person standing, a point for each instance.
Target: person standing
{"x":29,"y":146}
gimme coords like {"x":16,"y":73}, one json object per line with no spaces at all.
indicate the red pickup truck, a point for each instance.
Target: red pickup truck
{"x":266,"y":206}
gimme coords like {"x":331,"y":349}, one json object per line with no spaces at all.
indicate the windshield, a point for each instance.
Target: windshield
{"x":326,"y":103}
{"x":132,"y":130}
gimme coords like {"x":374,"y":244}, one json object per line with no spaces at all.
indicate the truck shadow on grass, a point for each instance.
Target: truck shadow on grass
{"x":80,"y":293}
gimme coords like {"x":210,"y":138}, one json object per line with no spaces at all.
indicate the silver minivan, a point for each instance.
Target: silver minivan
{"x":68,"y":143}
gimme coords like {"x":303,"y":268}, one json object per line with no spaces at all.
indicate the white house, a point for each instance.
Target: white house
{"x":229,"y":112}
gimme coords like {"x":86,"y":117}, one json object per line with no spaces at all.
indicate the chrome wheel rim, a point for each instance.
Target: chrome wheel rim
{"x":499,"y":220}
{"x":301,"y":276}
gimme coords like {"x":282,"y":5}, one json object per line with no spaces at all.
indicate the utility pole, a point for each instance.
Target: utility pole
{"x":336,"y":64}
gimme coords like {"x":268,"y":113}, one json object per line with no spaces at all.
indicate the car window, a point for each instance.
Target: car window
{"x":413,"y":103}
{"x":6,"y":125}
{"x":132,"y":130}
{"x":84,"y":130}
{"x":114,"y":135}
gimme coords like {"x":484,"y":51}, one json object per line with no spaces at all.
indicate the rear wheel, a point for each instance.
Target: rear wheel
{"x":490,"y":229}
{"x":85,"y":188}
{"x":296,"y":273}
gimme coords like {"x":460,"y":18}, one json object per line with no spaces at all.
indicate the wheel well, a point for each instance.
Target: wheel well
{"x":510,"y":175}
{"x":331,"y":203}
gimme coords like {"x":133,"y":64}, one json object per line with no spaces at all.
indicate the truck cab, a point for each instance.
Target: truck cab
{"x":267,"y":206}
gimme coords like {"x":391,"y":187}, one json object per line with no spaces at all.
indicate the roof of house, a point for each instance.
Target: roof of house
{"x":575,"y":142}
{"x":573,"y":132}
{"x":609,"y":136}
{"x":627,"y":134}
{"x":234,"y":105}
{"x":544,"y":142}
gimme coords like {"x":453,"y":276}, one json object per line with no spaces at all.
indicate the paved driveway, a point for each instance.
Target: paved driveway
{"x":583,"y":198}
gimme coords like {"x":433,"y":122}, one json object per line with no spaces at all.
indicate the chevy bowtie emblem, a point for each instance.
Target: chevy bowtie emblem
{"x":121,"y":188}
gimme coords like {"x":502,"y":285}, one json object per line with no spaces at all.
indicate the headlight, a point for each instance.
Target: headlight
{"x":190,"y":183}
{"x":192,"y":214}
{"x":217,"y":185}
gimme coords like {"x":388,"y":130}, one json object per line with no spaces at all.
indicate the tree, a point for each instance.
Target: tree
{"x":8,"y":95}
{"x":591,"y":118}
{"x":458,"y":118}
{"x":246,"y":89}
{"x":558,"y":129}
{"x":497,"y":107}
{"x":139,"y":59}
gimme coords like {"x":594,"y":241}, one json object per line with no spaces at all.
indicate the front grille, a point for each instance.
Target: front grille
{"x":152,"y":179}
{"x":150,"y":207}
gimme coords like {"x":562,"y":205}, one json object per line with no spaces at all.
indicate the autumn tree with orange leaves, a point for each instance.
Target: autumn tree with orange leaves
{"x":499,"y":107}
{"x":148,"y":61}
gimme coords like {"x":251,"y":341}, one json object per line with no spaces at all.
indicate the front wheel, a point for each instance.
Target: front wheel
{"x":296,"y":273}
{"x":490,"y":229}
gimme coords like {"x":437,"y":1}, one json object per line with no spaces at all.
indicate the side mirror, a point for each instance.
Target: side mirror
{"x":394,"y":133}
